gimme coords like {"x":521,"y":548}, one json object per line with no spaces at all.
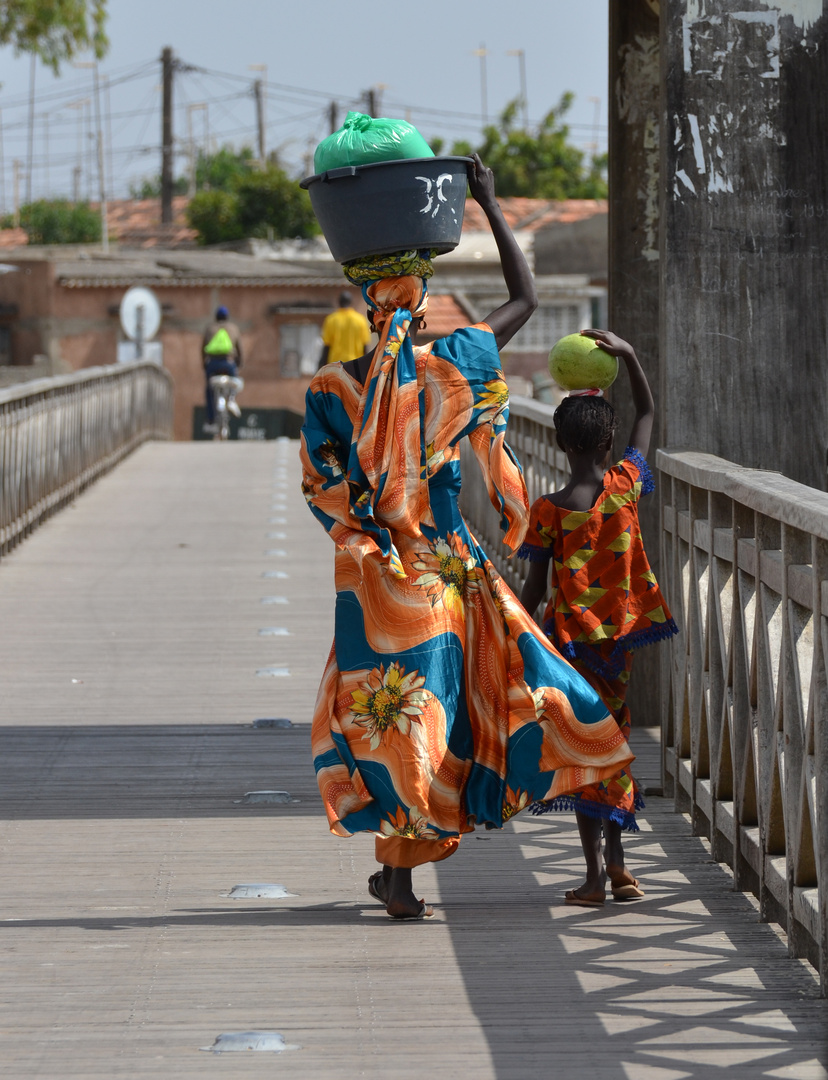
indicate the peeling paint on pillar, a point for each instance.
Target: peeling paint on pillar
{"x":745,"y":233}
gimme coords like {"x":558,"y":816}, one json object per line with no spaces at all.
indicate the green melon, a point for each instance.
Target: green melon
{"x":577,"y":363}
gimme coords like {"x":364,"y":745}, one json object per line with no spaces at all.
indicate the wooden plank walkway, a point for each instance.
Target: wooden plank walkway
{"x":130,"y":640}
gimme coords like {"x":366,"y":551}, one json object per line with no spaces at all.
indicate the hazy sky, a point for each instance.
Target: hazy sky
{"x":316,"y":51}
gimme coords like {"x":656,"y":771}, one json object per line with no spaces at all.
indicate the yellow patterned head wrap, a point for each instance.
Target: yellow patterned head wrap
{"x":397,"y":264}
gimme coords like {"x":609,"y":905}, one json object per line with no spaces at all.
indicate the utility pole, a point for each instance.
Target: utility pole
{"x":2,"y":170}
{"x":371,"y":101}
{"x":333,"y":116}
{"x":596,"y":124}
{"x":16,"y":218}
{"x":99,"y":149}
{"x":77,"y":171}
{"x":524,"y":101}
{"x":200,"y":106}
{"x":258,"y":94}
{"x":167,"y":66}
{"x":101,"y":172}
{"x":483,"y":52}
{"x":46,"y":152}
{"x":259,"y":87}
{"x":30,"y":143}
{"x":110,"y":172}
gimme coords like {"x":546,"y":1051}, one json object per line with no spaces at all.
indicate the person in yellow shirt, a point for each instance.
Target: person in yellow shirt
{"x":345,"y":333}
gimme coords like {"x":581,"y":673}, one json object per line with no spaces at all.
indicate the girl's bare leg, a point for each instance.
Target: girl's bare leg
{"x":589,"y":829}
{"x":624,"y":885}
{"x":613,"y":850}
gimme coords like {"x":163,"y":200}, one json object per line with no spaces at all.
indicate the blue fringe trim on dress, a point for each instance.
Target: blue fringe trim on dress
{"x":598,"y":811}
{"x":534,"y":554}
{"x":636,"y":458}
{"x":612,"y":667}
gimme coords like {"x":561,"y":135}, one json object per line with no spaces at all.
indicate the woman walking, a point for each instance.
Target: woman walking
{"x":442,"y":706}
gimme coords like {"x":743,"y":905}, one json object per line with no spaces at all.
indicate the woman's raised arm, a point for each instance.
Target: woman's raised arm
{"x":506,"y":320}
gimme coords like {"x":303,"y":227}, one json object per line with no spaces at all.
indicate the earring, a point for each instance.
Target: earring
{"x":423,"y":325}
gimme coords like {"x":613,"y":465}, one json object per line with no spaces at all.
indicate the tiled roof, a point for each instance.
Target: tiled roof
{"x":444,"y":316}
{"x":12,"y":238}
{"x":534,"y":214}
{"x":137,"y":223}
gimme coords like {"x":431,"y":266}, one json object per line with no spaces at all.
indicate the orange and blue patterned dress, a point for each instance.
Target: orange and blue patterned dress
{"x":605,"y":603}
{"x":442,"y":705}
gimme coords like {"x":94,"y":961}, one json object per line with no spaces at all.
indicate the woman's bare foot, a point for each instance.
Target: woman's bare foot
{"x":402,"y":903}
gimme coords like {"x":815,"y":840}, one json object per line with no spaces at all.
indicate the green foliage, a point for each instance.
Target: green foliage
{"x":538,"y":164}
{"x":54,"y":30}
{"x":58,"y":221}
{"x":270,"y":200}
{"x":252,"y":203}
{"x":150,"y":188}
{"x":215,"y":216}
{"x":222,"y":170}
{"x":214,"y":172}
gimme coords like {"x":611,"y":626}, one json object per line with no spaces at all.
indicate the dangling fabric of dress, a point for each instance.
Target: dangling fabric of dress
{"x":442,"y":705}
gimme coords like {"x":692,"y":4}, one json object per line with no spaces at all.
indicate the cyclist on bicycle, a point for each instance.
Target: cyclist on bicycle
{"x":222,"y":355}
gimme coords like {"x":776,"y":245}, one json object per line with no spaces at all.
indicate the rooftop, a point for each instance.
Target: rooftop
{"x":136,"y":224}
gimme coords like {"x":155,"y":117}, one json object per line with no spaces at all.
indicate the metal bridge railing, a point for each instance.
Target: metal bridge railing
{"x":745,"y":684}
{"x":745,"y":735}
{"x":58,"y":435}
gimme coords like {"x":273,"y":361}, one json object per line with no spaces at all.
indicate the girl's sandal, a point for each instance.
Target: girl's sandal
{"x":593,"y":900}
{"x":626,"y":889}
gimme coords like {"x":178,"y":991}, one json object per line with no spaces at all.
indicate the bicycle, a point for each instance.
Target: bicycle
{"x":224,"y":389}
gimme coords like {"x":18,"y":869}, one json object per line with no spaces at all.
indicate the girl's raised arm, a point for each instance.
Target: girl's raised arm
{"x":641,"y":394}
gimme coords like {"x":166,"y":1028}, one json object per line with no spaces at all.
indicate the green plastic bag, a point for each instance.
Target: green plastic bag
{"x":220,"y":344}
{"x":363,"y":140}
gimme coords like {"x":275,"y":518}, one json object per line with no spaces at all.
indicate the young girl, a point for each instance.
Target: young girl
{"x":605,"y":602}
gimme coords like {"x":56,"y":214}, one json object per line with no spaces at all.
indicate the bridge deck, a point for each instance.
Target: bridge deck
{"x":129,"y":649}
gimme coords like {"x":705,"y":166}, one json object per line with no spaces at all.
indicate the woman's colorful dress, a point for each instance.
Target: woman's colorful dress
{"x":605,"y":602}
{"x":442,"y":705}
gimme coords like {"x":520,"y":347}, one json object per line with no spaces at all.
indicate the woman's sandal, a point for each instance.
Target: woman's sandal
{"x":373,"y":881}
{"x":426,"y":912}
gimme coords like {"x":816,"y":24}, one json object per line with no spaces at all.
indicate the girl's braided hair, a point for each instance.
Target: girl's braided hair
{"x":584,"y":423}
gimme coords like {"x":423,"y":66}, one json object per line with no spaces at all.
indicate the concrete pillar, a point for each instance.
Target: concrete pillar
{"x":634,"y":286}
{"x":744,"y":329}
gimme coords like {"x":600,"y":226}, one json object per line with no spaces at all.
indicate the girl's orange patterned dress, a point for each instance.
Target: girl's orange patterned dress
{"x":605,"y":602}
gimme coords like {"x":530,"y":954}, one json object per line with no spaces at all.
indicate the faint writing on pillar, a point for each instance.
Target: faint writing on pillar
{"x":637,"y":94}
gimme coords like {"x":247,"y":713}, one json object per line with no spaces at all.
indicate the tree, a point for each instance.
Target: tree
{"x":215,"y":216}
{"x":270,"y":201}
{"x":54,"y":30}
{"x":221,"y":170}
{"x":58,"y":221}
{"x":213,"y":172}
{"x":538,"y":164}
{"x":255,"y":203}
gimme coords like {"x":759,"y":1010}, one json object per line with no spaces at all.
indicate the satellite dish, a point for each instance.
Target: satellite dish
{"x":140,"y":314}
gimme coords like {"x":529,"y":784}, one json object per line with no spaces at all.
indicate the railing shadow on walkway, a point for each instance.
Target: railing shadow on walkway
{"x":682,"y":981}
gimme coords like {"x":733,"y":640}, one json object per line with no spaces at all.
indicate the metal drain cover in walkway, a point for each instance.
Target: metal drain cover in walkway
{"x":267,"y":798}
{"x":231,"y":1041}
{"x":259,"y":892}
